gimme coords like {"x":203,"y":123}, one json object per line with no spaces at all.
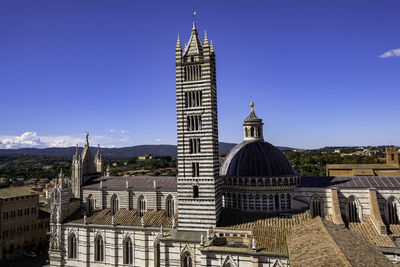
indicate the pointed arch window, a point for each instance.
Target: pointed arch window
{"x":98,"y":248}
{"x":170,"y":207}
{"x":353,"y":209}
{"x":392,"y":211}
{"x":142,"y":205}
{"x":72,"y":246}
{"x":90,"y":204}
{"x":316,"y":206}
{"x":128,"y":252}
{"x":114,"y":204}
{"x":186,"y":260}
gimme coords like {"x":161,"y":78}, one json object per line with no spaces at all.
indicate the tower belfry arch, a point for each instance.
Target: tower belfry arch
{"x":199,"y":201}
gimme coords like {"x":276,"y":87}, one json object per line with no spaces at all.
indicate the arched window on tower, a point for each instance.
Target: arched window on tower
{"x":141,"y":205}
{"x":252,"y":131}
{"x":392,"y":211}
{"x":128,"y":253}
{"x":316,"y":206}
{"x":246,"y":134}
{"x":186,"y":260}
{"x":195,"y":191}
{"x":353,"y":209}
{"x":114,"y":204}
{"x":170,"y":207}
{"x":98,"y":248}
{"x":72,"y":246}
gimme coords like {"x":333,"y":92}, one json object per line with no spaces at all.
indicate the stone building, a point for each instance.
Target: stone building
{"x":253,"y":211}
{"x":24,"y":225}
{"x":391,"y":168}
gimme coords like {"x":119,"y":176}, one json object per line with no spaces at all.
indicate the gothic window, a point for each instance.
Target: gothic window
{"x":195,"y":191}
{"x":194,"y":146}
{"x":114,"y":204}
{"x":192,"y":72}
{"x":316,"y":206}
{"x":194,"y":123}
{"x":170,"y":207}
{"x":98,"y":248}
{"x":72,"y":246}
{"x":128,"y":252}
{"x":353,"y":209}
{"x":186,"y":260}
{"x":193,"y":99}
{"x":141,"y":205}
{"x":90,"y":204}
{"x":195,"y":169}
{"x":392,"y":211}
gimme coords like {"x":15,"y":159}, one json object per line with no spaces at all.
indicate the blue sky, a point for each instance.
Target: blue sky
{"x":316,"y":70}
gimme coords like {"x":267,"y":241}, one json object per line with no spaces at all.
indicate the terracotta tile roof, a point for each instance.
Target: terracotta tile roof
{"x":136,"y":182}
{"x":368,"y":230}
{"x":395,"y":230}
{"x":15,"y":191}
{"x":152,"y":218}
{"x":319,"y":242}
{"x":270,"y":232}
{"x":377,"y":182}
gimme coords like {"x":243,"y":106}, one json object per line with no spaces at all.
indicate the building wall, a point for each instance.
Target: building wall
{"x":21,"y":233}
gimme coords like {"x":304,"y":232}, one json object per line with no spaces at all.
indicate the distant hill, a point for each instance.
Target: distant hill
{"x":122,"y":152}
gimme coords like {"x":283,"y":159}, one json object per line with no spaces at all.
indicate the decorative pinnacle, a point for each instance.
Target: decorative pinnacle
{"x":205,"y":39}
{"x":194,"y":26}
{"x":178,"y":44}
{"x":76,"y":151}
{"x":252,"y":105}
{"x":211,"y":47}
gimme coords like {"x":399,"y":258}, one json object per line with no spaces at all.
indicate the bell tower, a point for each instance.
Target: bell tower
{"x":199,"y":198}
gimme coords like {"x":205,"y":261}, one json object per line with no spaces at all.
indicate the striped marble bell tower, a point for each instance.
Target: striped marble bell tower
{"x":199,"y":198}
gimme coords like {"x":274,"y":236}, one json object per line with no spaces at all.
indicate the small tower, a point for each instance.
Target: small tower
{"x":392,"y":156}
{"x":76,"y":174}
{"x":88,"y":166}
{"x":97,"y":161}
{"x":253,"y":126}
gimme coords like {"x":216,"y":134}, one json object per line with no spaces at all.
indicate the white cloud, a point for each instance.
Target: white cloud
{"x":391,"y":53}
{"x":32,"y":139}
{"x":112,"y":131}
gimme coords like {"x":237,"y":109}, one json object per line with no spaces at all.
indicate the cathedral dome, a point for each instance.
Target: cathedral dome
{"x":256,"y":159}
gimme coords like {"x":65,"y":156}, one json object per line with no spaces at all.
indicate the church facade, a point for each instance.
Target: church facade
{"x":251,"y":211}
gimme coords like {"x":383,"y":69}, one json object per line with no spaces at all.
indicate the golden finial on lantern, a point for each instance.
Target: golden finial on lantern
{"x":252,"y":105}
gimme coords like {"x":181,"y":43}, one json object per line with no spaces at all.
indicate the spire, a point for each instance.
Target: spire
{"x":194,"y":46}
{"x":178,"y":44}
{"x":87,"y":139}
{"x":212,"y":47}
{"x":194,"y":26}
{"x":253,"y":126}
{"x":77,"y":150}
{"x":205,"y":39}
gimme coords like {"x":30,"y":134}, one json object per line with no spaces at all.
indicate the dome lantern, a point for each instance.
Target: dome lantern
{"x":253,"y":126}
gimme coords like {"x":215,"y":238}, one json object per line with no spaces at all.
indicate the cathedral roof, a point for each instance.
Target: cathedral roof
{"x":256,"y":159}
{"x":167,"y":183}
{"x":378,"y":182}
{"x":123,"y":217}
{"x":322,"y":243}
